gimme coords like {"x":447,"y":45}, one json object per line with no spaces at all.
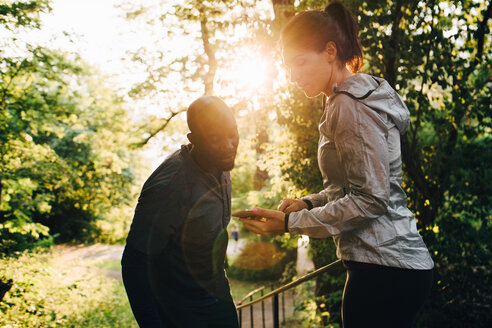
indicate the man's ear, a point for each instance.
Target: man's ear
{"x":330,"y":51}
{"x":191,"y":137}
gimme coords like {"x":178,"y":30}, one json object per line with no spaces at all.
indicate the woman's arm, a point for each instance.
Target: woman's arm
{"x":361,"y":146}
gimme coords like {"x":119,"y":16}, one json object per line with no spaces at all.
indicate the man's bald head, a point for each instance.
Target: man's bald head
{"x":213,"y":134}
{"x":204,"y":109}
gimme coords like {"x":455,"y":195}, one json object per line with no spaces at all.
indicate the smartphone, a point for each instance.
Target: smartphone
{"x":248,"y":214}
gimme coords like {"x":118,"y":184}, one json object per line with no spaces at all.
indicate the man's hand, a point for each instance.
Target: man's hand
{"x":291,"y":205}
{"x":274,"y":225}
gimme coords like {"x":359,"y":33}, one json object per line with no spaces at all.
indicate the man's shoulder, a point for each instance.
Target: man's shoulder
{"x":168,"y":172}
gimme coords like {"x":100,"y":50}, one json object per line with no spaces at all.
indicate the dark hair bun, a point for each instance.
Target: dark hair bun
{"x":312,"y":29}
{"x":347,"y":24}
{"x":335,"y":8}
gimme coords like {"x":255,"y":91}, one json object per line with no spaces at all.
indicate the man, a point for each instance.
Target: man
{"x":173,"y":263}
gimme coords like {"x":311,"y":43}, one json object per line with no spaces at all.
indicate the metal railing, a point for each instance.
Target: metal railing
{"x":275,"y":297}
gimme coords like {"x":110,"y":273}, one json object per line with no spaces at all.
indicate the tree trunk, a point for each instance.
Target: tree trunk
{"x":210,"y":52}
{"x":390,"y":69}
{"x":410,"y":157}
{"x":283,"y":11}
{"x":261,"y":138}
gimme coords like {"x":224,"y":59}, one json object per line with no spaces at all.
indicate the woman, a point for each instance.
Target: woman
{"x":363,"y":207}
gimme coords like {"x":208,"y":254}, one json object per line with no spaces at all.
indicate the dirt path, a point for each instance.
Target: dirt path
{"x":93,"y":253}
{"x":96,"y":252}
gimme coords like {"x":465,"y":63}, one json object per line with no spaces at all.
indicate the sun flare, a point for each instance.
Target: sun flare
{"x":251,"y":74}
{"x":244,"y":76}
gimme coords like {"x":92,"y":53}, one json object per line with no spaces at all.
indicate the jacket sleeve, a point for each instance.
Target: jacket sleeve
{"x":323,"y":197}
{"x":318,"y":199}
{"x":158,"y":214}
{"x":361,"y":146}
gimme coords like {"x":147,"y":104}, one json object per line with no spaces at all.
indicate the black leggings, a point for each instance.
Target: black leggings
{"x":378,"y":296}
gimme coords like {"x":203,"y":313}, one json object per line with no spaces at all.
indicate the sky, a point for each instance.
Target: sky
{"x":97,"y":31}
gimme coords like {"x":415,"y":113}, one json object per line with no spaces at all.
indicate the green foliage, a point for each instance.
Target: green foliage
{"x":317,"y":311}
{"x":245,"y":164}
{"x":301,"y":116}
{"x":13,"y":243}
{"x":240,"y":288}
{"x":49,"y":291}
{"x":22,"y":13}
{"x":259,"y":261}
{"x":176,"y":75}
{"x":271,"y":159}
{"x":109,"y":265}
{"x":329,"y":286}
{"x":65,"y":162}
{"x":460,"y":243}
{"x":437,"y":55}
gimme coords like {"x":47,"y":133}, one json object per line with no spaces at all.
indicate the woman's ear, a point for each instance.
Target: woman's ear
{"x":330,"y":51}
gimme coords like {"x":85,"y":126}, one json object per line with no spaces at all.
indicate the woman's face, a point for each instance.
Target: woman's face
{"x":310,"y":70}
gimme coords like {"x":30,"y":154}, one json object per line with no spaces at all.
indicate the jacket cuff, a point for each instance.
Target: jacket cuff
{"x":286,"y":222}
{"x":308,"y":203}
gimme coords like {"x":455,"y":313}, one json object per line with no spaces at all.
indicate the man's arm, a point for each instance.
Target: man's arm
{"x":158,"y":214}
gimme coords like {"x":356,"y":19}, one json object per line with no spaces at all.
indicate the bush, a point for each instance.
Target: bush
{"x":46,"y":290}
{"x":328,"y":287}
{"x":13,"y":243}
{"x":259,"y":261}
{"x":460,"y":245}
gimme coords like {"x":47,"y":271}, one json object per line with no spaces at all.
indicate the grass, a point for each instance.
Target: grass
{"x":239,"y":289}
{"x":50,"y":291}
{"x":108,"y":265}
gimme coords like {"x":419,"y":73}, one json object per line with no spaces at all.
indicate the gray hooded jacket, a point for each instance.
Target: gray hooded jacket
{"x":363,"y":205}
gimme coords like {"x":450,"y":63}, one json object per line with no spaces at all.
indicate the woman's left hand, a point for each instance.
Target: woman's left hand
{"x":274,"y":225}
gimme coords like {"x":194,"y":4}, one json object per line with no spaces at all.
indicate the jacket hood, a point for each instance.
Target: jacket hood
{"x":376,"y":93}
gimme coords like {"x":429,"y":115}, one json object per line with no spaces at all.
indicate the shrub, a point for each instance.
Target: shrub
{"x":45,"y":289}
{"x":13,"y":243}
{"x":259,"y":261}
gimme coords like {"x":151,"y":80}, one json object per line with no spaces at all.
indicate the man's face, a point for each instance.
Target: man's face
{"x":217,"y":141}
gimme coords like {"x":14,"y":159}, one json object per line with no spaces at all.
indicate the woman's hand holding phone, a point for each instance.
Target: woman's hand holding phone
{"x":263,"y":221}
{"x":269,"y":222}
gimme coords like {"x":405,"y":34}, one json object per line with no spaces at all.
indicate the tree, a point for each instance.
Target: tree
{"x":208,"y":29}
{"x":14,"y":14}
{"x":438,"y":57}
{"x":64,"y":138}
{"x":177,"y":74}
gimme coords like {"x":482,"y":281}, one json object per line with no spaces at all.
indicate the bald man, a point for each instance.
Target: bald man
{"x":173,"y":262}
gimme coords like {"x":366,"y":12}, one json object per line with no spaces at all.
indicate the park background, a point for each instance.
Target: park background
{"x":93,"y":97}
